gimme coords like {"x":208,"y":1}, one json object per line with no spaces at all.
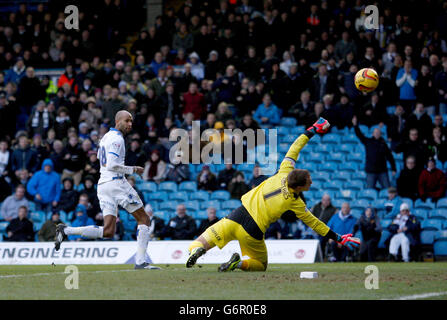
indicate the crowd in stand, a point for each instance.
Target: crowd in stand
{"x":231,"y":64}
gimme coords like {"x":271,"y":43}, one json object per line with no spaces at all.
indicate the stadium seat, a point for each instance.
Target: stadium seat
{"x":356,"y":157}
{"x":331,"y":138}
{"x":161,"y":196}
{"x":349,"y":166}
{"x":283,"y":147}
{"x":192,"y":205}
{"x":211,"y":203}
{"x":385,"y":223}
{"x":390,"y":110}
{"x":428,"y":237}
{"x":3,"y":226}
{"x":440,"y":247}
{"x":438,"y":213}
{"x":328,"y":167}
{"x":200,"y":195}
{"x":354,"y":185}
{"x":148,"y":186}
{"x":220,"y":195}
{"x":441,"y":235}
{"x":31,"y":206}
{"x":350,"y":138}
{"x":283,"y":130}
{"x":37,"y":225}
{"x":288,"y":139}
{"x":181,"y":196}
{"x":337,"y":157}
{"x":315,"y":157}
{"x":124,"y":216}
{"x":347,"y":194}
{"x":323,"y":148}
{"x":130,"y":225}
{"x":167,"y":186}
{"x":201,"y":215}
{"x":37,"y":216}
{"x":332,"y":185}
{"x":316,"y":185}
{"x":383,"y":194}
{"x":321,"y":176}
{"x":346,"y":148}
{"x":384,"y":237}
{"x":432,"y":224}
{"x":339,"y":182}
{"x":188,"y":186}
{"x":337,"y":203}
{"x":168,"y":205}
{"x":360,"y":204}
{"x":63,"y":215}
{"x":420,"y":213}
{"x":360,"y":175}
{"x":312,"y":167}
{"x":231,"y":204}
{"x":408,"y":201}
{"x":427,"y":204}
{"x":288,"y":122}
{"x":246,"y":167}
{"x":356,"y":213}
{"x":166,"y":216}
{"x":442,"y":203}
{"x":345,"y":175}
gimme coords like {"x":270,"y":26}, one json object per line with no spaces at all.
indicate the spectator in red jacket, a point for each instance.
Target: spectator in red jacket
{"x":432,"y":182}
{"x":68,"y":77}
{"x":194,"y":102}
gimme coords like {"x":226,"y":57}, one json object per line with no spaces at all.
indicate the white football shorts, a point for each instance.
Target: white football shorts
{"x":116,"y":193}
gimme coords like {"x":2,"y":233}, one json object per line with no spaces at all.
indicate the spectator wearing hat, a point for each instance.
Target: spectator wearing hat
{"x":62,"y":123}
{"x":206,"y":180}
{"x":369,"y":226}
{"x":406,"y":231}
{"x":44,"y":187}
{"x":432,"y":182}
{"x":392,"y":203}
{"x":69,"y":196}
{"x":92,"y":115}
{"x":377,"y":155}
{"x":40,"y":120}
{"x":212,"y":65}
{"x":267,"y":114}
{"x":10,"y":206}
{"x":154,"y":168}
{"x":197,"y":67}
{"x":48,"y":230}
{"x":83,"y":131}
{"x":209,"y":221}
{"x":156,"y":224}
{"x":81,"y":220}
{"x":20,"y":229}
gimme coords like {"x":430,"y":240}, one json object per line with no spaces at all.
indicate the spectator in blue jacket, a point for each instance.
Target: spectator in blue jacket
{"x":342,"y":223}
{"x":23,"y":158}
{"x":45,"y":187}
{"x":392,"y":204}
{"x":81,"y":220}
{"x":16,"y":73}
{"x":406,"y":81}
{"x":267,"y":113}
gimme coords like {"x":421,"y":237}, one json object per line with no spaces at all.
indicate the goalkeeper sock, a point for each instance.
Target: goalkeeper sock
{"x":91,"y":232}
{"x":195,"y":244}
{"x":142,"y":241}
{"x":252,"y":265}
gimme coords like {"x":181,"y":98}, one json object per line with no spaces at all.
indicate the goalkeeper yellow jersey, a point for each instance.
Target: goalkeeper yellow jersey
{"x":267,"y":202}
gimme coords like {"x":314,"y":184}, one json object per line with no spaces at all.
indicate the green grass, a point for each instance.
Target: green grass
{"x":336,"y":281}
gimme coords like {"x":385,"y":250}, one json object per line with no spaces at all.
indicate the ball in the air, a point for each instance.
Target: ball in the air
{"x":366,"y":80}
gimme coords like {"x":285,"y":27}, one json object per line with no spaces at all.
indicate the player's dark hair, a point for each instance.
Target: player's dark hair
{"x":297,"y":178}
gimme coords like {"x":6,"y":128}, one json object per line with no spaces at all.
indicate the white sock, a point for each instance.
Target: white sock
{"x":142,"y":240}
{"x":92,"y":232}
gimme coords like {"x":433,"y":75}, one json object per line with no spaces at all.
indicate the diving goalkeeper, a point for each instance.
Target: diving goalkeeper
{"x":262,"y":206}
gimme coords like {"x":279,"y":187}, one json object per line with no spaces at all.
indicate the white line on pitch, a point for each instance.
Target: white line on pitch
{"x":54,"y":273}
{"x":423,"y":296}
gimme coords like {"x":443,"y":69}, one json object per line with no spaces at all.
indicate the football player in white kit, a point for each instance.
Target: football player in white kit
{"x":114,"y":190}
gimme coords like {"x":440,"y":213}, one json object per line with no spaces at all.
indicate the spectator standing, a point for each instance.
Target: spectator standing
{"x":10,"y":207}
{"x":432,"y":182}
{"x":437,"y":146}
{"x":406,"y":232}
{"x":369,"y":226}
{"x":413,"y":146}
{"x":44,"y":187}
{"x":20,"y":228}
{"x":23,"y":158}
{"x":396,"y":126}
{"x":182,"y":226}
{"x":267,"y":113}
{"x":209,"y":221}
{"x":74,"y":160}
{"x":377,"y":155}
{"x":40,"y":120}
{"x":406,"y":81}
{"x":194,"y":102}
{"x":48,"y":230}
{"x":421,"y":121}
{"x":342,"y":223}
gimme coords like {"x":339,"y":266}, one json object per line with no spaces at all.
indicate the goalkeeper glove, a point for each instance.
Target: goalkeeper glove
{"x":321,"y":126}
{"x":348,"y":241}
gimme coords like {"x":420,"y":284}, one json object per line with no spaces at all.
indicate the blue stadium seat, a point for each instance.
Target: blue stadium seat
{"x":347,"y":194}
{"x":350,"y":138}
{"x":37,"y":225}
{"x":421,"y":204}
{"x":220,"y":195}
{"x":390,"y":110}
{"x":370,"y":194}
{"x":124,"y":216}
{"x":283,"y":147}
{"x":148,"y":186}
{"x":331,"y":138}
{"x":356,"y":213}
{"x":420,"y":213}
{"x":312,"y":167}
{"x":345,"y":175}
{"x":130,"y":225}
{"x":383,"y":194}
{"x":161,"y":196}
{"x":385,"y":235}
{"x":332,"y":185}
{"x":31,"y":206}
{"x":385,"y":223}
{"x":246,"y":167}
{"x":356,"y":157}
{"x":37,"y":216}
{"x":364,"y":129}
{"x":289,"y":139}
{"x":166,"y":216}
{"x":338,"y":157}
{"x":323,"y":148}
{"x":231,"y":204}
{"x":200,"y":195}
{"x":339,"y":182}
{"x":283,"y":130}
{"x":337,"y":203}
{"x":288,"y":122}
{"x":408,"y":201}
{"x":360,"y":204}
{"x":441,"y":234}
{"x":432,"y":224}
{"x":316,"y":185}
{"x":428,"y":237}
{"x":181,"y":196}
{"x":354,"y":185}
{"x":349,"y":166}
{"x":442,"y":203}
{"x":360,"y":174}
{"x":192,"y":205}
{"x":63,"y":215}
{"x":211,"y":203}
{"x":316,"y":157}
{"x":346,"y":148}
{"x":201,"y":215}
{"x":168,"y":205}
{"x":328,"y":167}
{"x":188,"y":186}
{"x":167,"y":186}
{"x":440,"y":247}
{"x":321,"y":176}
{"x":438,"y":213}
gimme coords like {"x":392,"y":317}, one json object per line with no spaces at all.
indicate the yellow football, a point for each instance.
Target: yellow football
{"x":366,"y":80}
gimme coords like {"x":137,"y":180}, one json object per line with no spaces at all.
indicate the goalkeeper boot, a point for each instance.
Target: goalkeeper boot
{"x":60,"y":235}
{"x":196,"y":253}
{"x":147,"y":266}
{"x":230,"y":265}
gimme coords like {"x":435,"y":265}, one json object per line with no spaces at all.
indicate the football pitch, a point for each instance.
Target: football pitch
{"x":174,"y":282}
